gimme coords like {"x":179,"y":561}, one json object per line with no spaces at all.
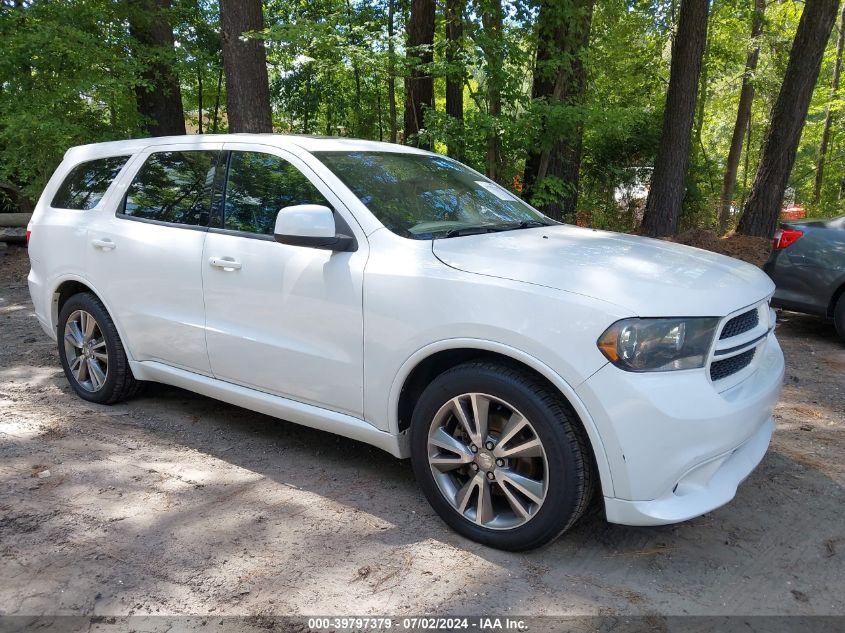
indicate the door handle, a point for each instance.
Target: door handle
{"x":104,"y":244}
{"x":226,"y":263}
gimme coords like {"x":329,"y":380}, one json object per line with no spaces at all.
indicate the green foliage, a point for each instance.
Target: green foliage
{"x":328,"y":66}
{"x":69,"y":70}
{"x":65,"y":79}
{"x":199,"y":63}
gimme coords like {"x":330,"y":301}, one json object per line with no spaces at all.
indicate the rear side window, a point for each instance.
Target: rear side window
{"x":173,"y":187}
{"x":86,"y":184}
{"x":259,"y":185}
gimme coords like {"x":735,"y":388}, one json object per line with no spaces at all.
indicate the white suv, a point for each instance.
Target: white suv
{"x":401,"y":299}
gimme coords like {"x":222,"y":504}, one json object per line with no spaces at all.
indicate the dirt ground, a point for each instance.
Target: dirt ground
{"x":755,"y":250}
{"x":177,"y":504}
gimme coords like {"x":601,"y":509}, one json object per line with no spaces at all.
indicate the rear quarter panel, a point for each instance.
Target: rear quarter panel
{"x":59,"y":239}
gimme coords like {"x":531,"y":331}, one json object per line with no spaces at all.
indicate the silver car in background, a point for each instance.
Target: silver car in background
{"x":808,"y":268}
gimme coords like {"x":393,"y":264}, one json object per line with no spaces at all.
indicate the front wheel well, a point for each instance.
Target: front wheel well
{"x":439,"y":362}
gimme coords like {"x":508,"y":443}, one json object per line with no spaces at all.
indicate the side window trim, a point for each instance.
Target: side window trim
{"x":236,"y":233}
{"x":138,"y":163}
{"x":122,"y":216}
{"x":218,"y":194}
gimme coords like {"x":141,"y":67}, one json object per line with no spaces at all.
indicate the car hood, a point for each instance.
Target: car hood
{"x":645,"y":276}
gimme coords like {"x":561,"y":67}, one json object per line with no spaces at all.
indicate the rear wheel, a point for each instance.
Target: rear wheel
{"x":91,"y":352}
{"x":839,"y":316}
{"x":499,"y":456}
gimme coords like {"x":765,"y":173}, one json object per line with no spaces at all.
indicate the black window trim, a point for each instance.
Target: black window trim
{"x":96,"y":207}
{"x":218,"y":196}
{"x":191,"y":227}
{"x":247,"y":234}
{"x":121,"y":214}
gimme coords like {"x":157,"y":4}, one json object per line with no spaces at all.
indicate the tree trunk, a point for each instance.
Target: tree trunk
{"x":245,"y":62}
{"x":419,"y":85}
{"x":454,"y":18}
{"x":666,"y":194}
{"x":698,"y":134}
{"x":760,"y":216}
{"x":391,"y":70}
{"x":745,"y":168}
{"x":215,"y":116}
{"x":160,"y":99}
{"x":380,"y":119}
{"x":828,"y":116}
{"x":563,"y":35}
{"x":743,"y":117}
{"x":492,"y":18}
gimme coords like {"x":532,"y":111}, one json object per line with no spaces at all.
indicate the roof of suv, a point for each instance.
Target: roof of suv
{"x":287,"y":141}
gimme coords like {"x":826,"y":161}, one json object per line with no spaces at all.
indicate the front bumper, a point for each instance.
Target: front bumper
{"x":706,"y":487}
{"x":676,"y":447}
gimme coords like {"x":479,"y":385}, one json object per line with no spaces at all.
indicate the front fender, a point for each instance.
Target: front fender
{"x":519,"y":356}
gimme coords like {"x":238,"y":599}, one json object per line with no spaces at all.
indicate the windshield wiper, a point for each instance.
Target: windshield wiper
{"x":493,"y":228}
{"x":525,"y":224}
{"x":470,"y":230}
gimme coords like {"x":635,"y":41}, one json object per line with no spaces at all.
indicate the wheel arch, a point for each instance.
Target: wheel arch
{"x":834,"y":298}
{"x":65,"y":288}
{"x":430,"y":361}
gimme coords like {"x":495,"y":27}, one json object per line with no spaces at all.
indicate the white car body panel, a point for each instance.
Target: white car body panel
{"x":289,"y":320}
{"x":413,"y":301}
{"x":650,"y":277}
{"x":269,"y":404}
{"x":329,"y":339}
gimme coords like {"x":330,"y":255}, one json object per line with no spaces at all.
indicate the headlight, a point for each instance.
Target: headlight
{"x":658,"y":344}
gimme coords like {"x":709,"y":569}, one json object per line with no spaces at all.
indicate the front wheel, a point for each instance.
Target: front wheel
{"x":499,"y":456}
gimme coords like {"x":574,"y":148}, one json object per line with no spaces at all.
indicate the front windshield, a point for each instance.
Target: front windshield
{"x":422,"y":196}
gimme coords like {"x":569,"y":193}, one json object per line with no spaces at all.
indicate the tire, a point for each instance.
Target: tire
{"x":839,"y":316}
{"x":98,"y":346}
{"x":453,"y":478}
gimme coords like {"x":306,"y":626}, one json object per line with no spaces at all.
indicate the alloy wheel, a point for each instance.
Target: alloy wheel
{"x":488,"y":461}
{"x":86,"y":351}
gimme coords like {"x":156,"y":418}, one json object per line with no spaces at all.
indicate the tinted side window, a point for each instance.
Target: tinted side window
{"x":86,"y":184}
{"x":258,"y":186}
{"x":173,"y":187}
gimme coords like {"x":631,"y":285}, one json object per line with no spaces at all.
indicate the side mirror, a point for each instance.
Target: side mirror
{"x":311,"y":225}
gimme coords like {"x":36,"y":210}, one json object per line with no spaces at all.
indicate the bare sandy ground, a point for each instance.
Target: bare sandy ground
{"x":177,"y":504}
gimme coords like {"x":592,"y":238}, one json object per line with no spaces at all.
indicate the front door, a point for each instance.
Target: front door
{"x":283,"y":319}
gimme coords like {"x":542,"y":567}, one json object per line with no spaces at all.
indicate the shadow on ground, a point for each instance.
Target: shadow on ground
{"x":175,"y":503}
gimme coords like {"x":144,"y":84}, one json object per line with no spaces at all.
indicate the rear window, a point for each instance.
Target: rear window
{"x":87,"y":183}
{"x":173,"y":187}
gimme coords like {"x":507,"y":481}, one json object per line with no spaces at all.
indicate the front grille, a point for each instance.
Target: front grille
{"x":739,"y":324}
{"x":724,"y":368}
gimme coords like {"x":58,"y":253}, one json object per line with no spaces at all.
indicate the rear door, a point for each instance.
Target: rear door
{"x":146,"y":257}
{"x":283,"y":319}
